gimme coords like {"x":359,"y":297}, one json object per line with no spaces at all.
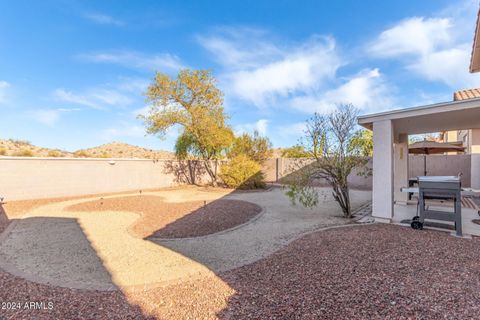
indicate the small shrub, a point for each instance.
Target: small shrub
{"x":104,"y":155}
{"x":20,"y":142}
{"x":242,"y":173}
{"x":54,"y":154}
{"x":81,"y":154}
{"x":3,"y":152}
{"x":23,"y":153}
{"x":297,"y":151}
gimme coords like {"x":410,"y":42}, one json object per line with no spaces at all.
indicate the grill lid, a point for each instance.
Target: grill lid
{"x":439,"y":179}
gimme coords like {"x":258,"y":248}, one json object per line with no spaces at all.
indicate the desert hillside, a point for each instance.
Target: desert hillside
{"x":21,"y":148}
{"x":123,"y":150}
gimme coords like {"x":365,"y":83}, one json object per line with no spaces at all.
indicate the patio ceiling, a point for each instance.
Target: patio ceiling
{"x":455,"y":115}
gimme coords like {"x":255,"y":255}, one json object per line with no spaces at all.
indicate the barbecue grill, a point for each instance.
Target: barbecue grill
{"x":439,"y":188}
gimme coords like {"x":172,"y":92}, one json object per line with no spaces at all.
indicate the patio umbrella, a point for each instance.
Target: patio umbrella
{"x":432,"y":147}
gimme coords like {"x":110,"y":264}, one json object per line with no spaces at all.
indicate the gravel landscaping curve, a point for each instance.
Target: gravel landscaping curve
{"x":175,"y":220}
{"x":53,"y":244}
{"x":279,"y":223}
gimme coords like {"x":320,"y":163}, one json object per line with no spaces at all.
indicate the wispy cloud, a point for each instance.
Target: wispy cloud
{"x":101,"y":18}
{"x":49,"y":117}
{"x":4,"y":86}
{"x":135,"y":85}
{"x":300,"y":76}
{"x":435,"y":48}
{"x":366,"y":90}
{"x":413,"y":36}
{"x":136,"y":60}
{"x":262,"y":72}
{"x":97,"y":98}
{"x":261,"y":126}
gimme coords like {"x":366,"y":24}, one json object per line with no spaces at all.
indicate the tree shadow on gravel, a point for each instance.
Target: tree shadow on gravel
{"x":38,"y":274}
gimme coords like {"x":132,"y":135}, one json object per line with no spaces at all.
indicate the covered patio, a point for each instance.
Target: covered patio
{"x":390,"y":154}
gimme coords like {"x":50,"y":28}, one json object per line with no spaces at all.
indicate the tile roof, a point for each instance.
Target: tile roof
{"x":466,"y":94}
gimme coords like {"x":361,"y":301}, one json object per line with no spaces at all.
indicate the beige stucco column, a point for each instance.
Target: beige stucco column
{"x":475,"y":171}
{"x":400,"y":163}
{"x":475,"y":154}
{"x":382,"y":196}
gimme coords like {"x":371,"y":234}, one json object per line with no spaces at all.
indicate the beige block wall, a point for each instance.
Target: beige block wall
{"x":32,"y":178}
{"x":442,"y":165}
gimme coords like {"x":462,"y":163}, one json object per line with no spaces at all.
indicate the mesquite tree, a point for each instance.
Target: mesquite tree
{"x":192,"y":101}
{"x":330,"y":141}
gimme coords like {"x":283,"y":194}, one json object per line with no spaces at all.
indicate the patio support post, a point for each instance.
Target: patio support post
{"x":475,"y":171}
{"x":382,"y":196}
{"x":400,"y":163}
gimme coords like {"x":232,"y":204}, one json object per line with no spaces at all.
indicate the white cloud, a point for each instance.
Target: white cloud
{"x":261,"y":126}
{"x":366,"y":90}
{"x":415,"y":35}
{"x":103,"y":19}
{"x":96,"y":98}
{"x":49,"y":117}
{"x":436,"y":48}
{"x":136,"y":60}
{"x":449,"y":66}
{"x":261,"y":72}
{"x":136,"y":85}
{"x":4,"y":85}
{"x":240,"y":48}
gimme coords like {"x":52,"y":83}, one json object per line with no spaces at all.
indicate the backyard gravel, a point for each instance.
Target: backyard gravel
{"x":361,"y":272}
{"x":175,"y":220}
{"x":368,"y":272}
{"x":61,"y":303}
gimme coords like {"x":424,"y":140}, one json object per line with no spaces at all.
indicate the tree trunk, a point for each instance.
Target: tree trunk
{"x":211,"y":172}
{"x":341,"y":195}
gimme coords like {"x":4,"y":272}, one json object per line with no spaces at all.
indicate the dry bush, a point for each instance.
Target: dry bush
{"x":81,"y":154}
{"x":23,"y":153}
{"x":54,"y":153}
{"x":3,"y":152}
{"x":17,"y":142}
{"x":242,"y":173}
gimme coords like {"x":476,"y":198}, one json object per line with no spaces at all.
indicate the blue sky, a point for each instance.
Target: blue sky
{"x":72,"y":73}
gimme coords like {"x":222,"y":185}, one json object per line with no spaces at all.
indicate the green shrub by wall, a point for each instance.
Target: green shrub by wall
{"x":242,"y":173}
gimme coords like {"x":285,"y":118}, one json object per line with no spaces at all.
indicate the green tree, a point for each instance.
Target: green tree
{"x":362,"y":143}
{"x":315,"y":138}
{"x":333,"y":161}
{"x":297,"y":151}
{"x":192,"y":101}
{"x":254,"y":146}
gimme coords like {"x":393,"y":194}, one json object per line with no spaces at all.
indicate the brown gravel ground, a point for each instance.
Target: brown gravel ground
{"x":368,"y":272}
{"x":176,"y":220}
{"x":372,"y":272}
{"x":67,"y":303}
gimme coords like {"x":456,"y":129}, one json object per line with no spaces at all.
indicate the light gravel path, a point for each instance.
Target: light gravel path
{"x":279,"y":224}
{"x":93,"y":250}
